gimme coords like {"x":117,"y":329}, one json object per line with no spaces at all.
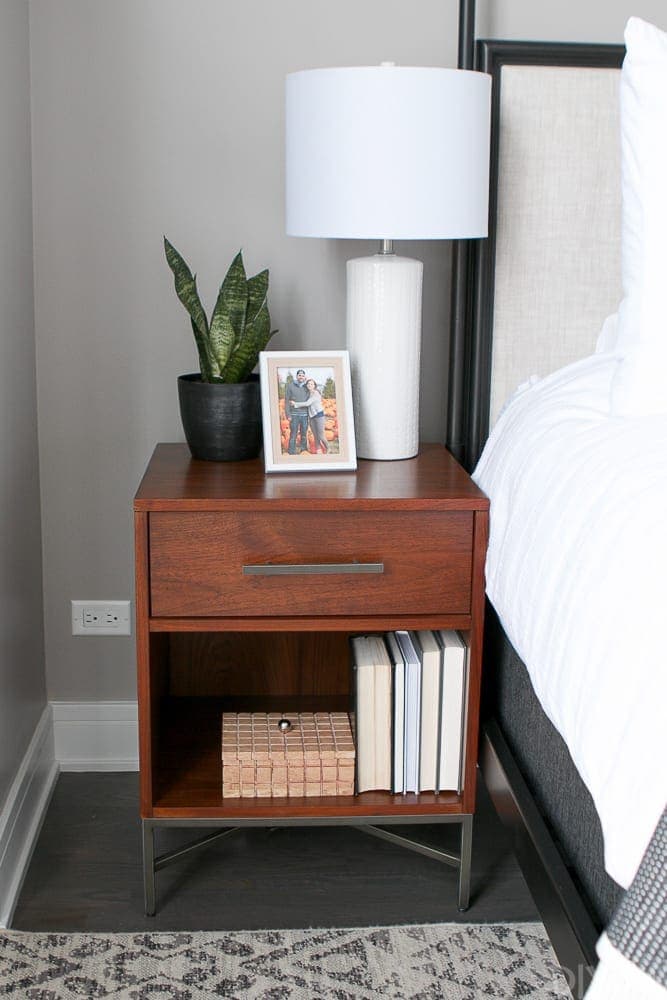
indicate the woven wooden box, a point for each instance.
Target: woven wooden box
{"x":316,"y":757}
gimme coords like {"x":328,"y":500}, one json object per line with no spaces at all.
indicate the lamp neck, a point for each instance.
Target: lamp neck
{"x":387,"y":247}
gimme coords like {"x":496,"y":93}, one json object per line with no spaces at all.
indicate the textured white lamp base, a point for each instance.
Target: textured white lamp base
{"x":384,"y":295}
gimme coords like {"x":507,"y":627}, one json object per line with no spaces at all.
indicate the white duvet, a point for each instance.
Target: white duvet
{"x":577,"y":571}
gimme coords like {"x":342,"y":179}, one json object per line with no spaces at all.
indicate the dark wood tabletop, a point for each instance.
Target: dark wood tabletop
{"x":433,"y":480}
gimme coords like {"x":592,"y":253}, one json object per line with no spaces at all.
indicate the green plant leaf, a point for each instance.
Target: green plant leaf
{"x":258,"y":288}
{"x":208,"y":366}
{"x":186,"y":290}
{"x":229,"y":315}
{"x":256,"y":337}
{"x":257,"y":332}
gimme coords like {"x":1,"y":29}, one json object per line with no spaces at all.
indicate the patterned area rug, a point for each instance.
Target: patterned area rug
{"x":457,"y":961}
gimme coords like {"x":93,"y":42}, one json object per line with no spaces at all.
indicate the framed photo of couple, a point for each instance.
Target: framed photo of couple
{"x":307,"y":415}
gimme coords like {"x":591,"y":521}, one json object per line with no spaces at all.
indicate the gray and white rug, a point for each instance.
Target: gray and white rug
{"x":457,"y":961}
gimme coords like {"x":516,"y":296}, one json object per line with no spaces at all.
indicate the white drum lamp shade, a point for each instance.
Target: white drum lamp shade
{"x":387,"y":153}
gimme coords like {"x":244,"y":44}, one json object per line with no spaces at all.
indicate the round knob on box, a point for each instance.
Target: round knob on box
{"x":284,"y":725}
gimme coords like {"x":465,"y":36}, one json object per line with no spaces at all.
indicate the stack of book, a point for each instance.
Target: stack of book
{"x":410,"y":691}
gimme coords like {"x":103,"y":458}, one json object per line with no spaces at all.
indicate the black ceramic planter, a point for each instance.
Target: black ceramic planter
{"x":222,"y":421}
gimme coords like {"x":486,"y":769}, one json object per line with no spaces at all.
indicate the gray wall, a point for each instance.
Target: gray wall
{"x":565,"y":21}
{"x":158,"y":116}
{"x":22,"y":694}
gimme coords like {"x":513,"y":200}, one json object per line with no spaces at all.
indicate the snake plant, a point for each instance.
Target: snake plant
{"x":239,"y":328}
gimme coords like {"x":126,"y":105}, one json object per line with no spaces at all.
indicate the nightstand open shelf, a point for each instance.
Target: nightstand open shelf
{"x":213,"y":636}
{"x":189,"y":774}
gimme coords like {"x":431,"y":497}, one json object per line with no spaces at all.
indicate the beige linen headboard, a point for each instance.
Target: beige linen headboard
{"x":549,"y":273}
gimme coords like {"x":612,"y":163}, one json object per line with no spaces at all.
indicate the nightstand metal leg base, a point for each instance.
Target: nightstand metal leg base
{"x":466,"y":860}
{"x":412,"y":845}
{"x":461,"y":861}
{"x":148,"y":841}
{"x":153,"y":864}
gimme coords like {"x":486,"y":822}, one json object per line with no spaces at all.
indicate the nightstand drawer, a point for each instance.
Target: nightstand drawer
{"x":310,"y":563}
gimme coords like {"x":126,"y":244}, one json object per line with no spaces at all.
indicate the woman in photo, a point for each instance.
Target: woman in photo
{"x":315,"y":415}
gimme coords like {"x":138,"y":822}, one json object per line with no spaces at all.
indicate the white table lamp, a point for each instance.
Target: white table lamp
{"x":389,"y":153}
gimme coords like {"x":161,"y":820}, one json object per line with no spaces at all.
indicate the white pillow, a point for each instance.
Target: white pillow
{"x":607,"y":342}
{"x":639,"y":386}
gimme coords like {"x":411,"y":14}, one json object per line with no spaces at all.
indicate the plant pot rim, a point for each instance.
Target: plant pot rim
{"x":196,"y":377}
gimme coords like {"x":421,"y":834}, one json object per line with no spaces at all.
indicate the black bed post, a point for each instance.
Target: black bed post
{"x":460,"y":284}
{"x":466,"y":34}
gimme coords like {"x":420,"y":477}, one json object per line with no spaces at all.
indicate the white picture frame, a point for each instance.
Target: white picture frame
{"x":294,"y":442}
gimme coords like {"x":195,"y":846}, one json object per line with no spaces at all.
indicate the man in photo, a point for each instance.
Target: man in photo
{"x":296,"y":391}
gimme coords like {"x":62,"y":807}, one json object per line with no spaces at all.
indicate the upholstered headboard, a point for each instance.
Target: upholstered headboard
{"x":548,"y":275}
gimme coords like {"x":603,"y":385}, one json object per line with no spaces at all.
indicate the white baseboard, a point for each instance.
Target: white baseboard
{"x":23,"y":812}
{"x":70,"y":736}
{"x":96,"y":736}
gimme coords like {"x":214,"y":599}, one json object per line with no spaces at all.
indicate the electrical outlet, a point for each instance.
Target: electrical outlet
{"x":101,"y":618}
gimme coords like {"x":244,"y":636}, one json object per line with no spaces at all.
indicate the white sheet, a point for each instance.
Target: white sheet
{"x":577,"y":571}
{"x":616,"y":978}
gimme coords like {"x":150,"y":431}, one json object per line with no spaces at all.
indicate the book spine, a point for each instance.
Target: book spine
{"x":398,"y":735}
{"x":441,"y":682}
{"x":364,"y":688}
{"x":382,"y":682}
{"x":464,"y":714}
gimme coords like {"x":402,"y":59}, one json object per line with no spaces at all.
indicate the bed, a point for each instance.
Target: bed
{"x":538,"y":325}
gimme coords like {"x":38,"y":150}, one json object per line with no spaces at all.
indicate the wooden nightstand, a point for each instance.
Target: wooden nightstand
{"x":248,"y":588}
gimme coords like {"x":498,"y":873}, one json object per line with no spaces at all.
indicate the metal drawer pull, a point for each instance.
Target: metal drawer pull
{"x":292,"y":569}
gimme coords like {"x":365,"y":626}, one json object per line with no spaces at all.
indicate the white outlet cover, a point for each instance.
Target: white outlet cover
{"x":101,"y":618}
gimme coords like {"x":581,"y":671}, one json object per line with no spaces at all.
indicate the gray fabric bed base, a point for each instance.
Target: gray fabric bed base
{"x":546,"y":765}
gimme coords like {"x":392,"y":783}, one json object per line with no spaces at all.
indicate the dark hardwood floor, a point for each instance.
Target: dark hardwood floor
{"x":85,"y":873}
